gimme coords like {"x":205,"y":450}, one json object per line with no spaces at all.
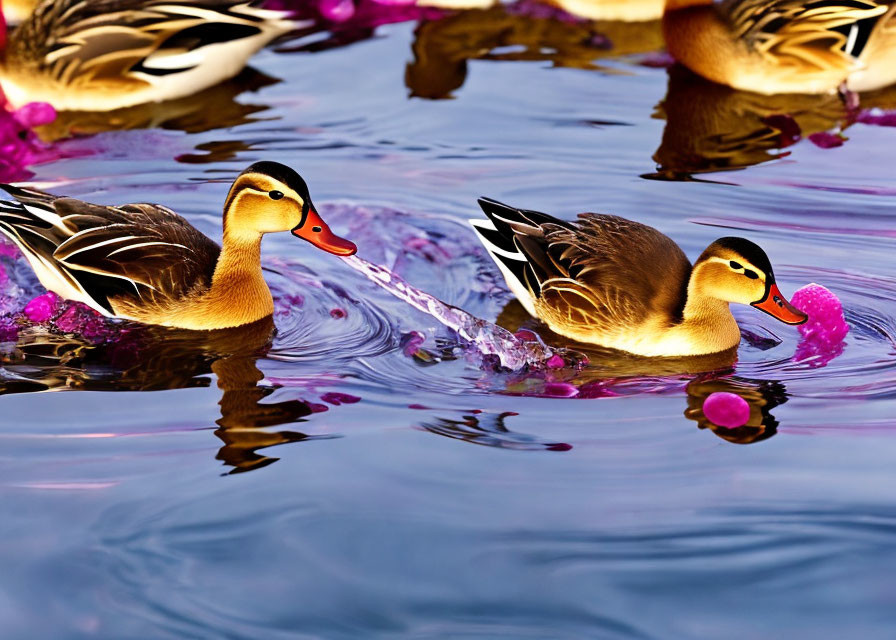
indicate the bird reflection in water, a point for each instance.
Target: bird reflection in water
{"x":712,"y":127}
{"x":190,"y":114}
{"x":147,"y":358}
{"x":442,"y":47}
{"x":761,"y":395}
{"x":489,"y":430}
{"x":612,"y":373}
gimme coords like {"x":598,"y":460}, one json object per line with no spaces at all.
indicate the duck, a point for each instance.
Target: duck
{"x":144,"y":262}
{"x":99,"y":56}
{"x":623,"y":285}
{"x":786,"y":46}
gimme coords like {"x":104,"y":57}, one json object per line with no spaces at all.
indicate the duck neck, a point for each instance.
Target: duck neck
{"x":708,"y":320}
{"x":238,"y":282}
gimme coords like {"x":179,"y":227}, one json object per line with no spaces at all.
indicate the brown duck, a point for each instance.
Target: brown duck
{"x":109,"y":54}
{"x":144,"y":262}
{"x":786,"y":46}
{"x":620,"y":284}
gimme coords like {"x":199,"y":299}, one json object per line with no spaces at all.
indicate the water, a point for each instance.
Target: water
{"x":328,"y":486}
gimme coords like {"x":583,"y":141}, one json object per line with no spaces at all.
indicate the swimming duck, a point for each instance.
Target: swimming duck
{"x":620,"y":284}
{"x":99,"y":56}
{"x":144,"y":262}
{"x":786,"y":46}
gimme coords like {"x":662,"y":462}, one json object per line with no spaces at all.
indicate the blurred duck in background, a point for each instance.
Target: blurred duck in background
{"x":109,"y":54}
{"x":785,"y":46}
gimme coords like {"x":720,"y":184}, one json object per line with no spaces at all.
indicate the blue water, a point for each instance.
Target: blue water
{"x":170,"y":492}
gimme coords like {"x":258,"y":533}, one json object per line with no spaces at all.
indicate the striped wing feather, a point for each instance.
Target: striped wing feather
{"x":823,"y":34}
{"x":594,"y":275}
{"x":612,"y":273}
{"x":138,"y":253}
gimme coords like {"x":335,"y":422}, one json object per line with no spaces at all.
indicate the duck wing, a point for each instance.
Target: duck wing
{"x":592,"y":275}
{"x":82,"y":43}
{"x":822,"y":34}
{"x":144,"y":253}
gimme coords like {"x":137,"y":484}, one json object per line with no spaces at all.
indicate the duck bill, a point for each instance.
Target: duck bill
{"x":775,"y":304}
{"x":313,"y":229}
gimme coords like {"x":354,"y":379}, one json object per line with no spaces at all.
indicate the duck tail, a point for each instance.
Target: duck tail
{"x":498,"y":236}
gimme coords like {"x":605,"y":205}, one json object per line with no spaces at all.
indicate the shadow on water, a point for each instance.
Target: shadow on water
{"x":712,"y":127}
{"x":612,"y":373}
{"x":146,"y":358}
{"x":190,"y":114}
{"x":761,"y":395}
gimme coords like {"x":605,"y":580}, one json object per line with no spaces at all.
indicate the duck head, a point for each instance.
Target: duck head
{"x":269,"y":197}
{"x":737,"y":270}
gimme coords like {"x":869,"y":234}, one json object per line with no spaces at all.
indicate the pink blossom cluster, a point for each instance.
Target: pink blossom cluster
{"x":19,"y":145}
{"x":826,"y":323}
{"x":366,"y":13}
{"x":46,"y":309}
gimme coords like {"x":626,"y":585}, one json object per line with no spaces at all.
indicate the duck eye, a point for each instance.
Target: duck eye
{"x":736,"y":265}
{"x":275,"y":195}
{"x":752,"y":275}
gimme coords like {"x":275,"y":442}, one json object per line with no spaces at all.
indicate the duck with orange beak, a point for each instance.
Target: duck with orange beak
{"x":144,"y":262}
{"x":620,"y":284}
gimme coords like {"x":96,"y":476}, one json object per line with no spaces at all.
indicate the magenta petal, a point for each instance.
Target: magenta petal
{"x":336,"y":398}
{"x":827,"y":140}
{"x":337,"y":10}
{"x":41,"y":308}
{"x":35,"y":114}
{"x":726,"y":410}
{"x":560,"y":390}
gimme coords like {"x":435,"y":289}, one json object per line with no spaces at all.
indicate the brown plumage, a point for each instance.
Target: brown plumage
{"x":621,"y":284}
{"x":99,"y":55}
{"x":144,"y":262}
{"x":786,"y":46}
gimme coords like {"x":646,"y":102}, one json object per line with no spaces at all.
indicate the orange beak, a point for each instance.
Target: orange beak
{"x":313,"y":229}
{"x":775,"y":304}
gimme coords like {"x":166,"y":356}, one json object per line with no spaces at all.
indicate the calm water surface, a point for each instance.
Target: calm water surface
{"x":339,"y":485}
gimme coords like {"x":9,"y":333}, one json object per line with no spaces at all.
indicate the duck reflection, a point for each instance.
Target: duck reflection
{"x":711,"y":127}
{"x":489,"y":430}
{"x":506,"y":32}
{"x":147,"y":358}
{"x":761,"y":395}
{"x":213,"y":108}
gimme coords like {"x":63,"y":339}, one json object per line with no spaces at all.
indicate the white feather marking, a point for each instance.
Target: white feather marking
{"x":479,"y":223}
{"x":851,"y":41}
{"x":98,"y":244}
{"x":47,"y":215}
{"x":147,"y":244}
{"x":516,"y":287}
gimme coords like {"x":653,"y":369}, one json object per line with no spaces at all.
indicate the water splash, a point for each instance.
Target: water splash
{"x":488,"y":338}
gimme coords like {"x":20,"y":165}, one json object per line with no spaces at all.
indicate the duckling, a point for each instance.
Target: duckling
{"x":785,"y":46}
{"x":99,"y":56}
{"x":144,"y":262}
{"x":620,"y":284}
